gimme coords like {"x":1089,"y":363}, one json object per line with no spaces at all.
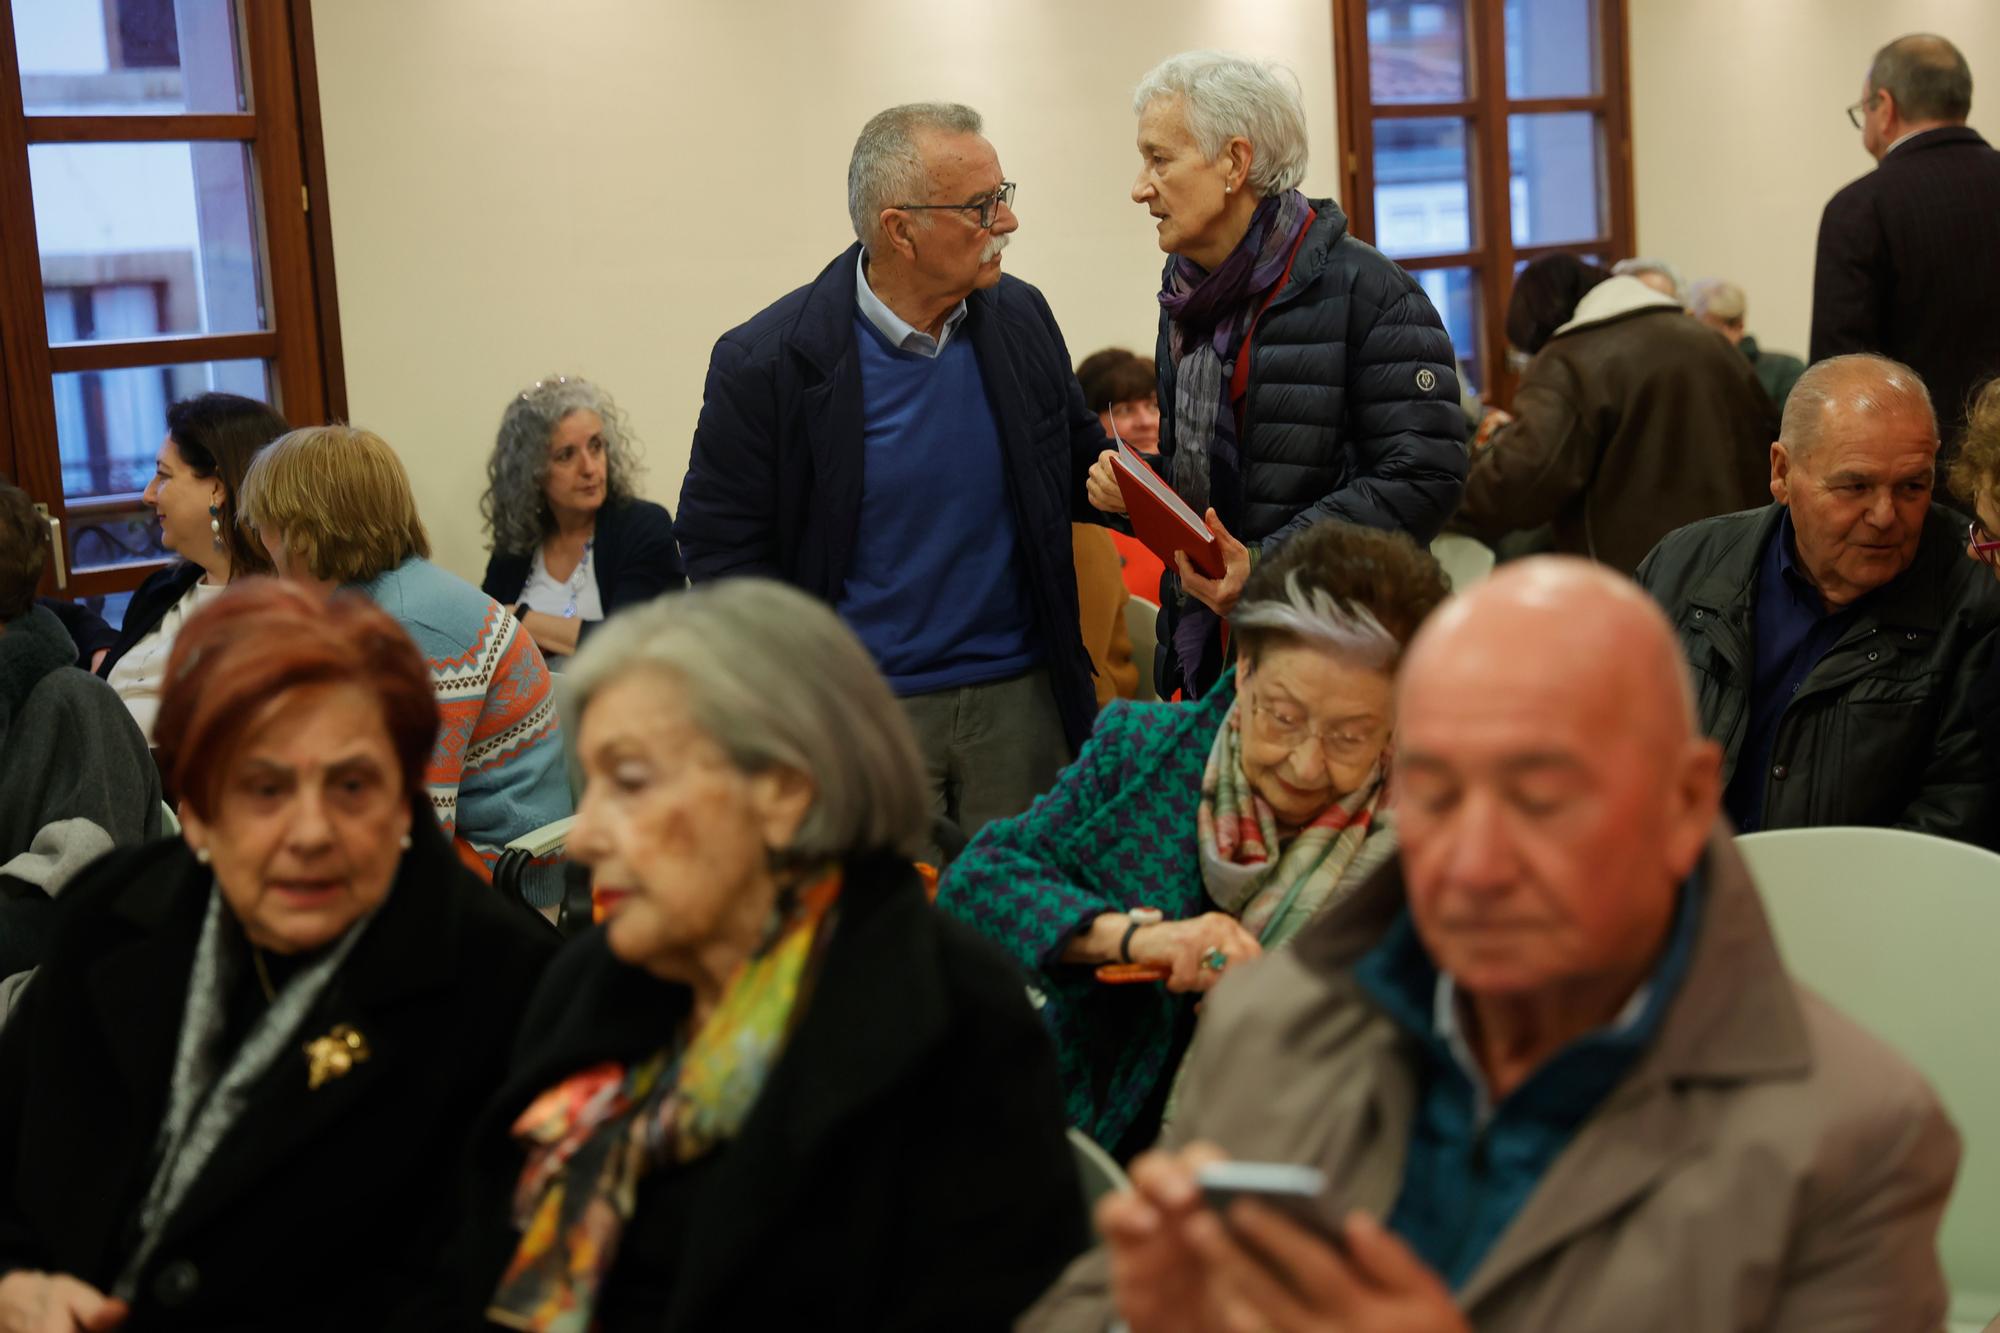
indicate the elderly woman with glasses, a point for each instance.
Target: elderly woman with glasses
{"x":1187,"y":839}
{"x":572,"y":543}
{"x":1302,"y":375}
{"x":777,"y":1088}
{"x":233,"y":1096}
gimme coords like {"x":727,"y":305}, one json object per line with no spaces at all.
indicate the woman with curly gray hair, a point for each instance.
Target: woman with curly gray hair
{"x":571,"y":542}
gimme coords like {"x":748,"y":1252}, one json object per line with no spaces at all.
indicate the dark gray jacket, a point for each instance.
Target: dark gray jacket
{"x":1885,"y":729}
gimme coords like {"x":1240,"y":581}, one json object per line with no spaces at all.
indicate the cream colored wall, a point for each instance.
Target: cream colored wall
{"x":1739,"y":138}
{"x":522,"y":187}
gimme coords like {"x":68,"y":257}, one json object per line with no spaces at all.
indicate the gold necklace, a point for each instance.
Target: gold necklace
{"x":263,"y":977}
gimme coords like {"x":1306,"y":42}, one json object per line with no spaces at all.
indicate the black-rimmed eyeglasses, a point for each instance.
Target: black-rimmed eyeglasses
{"x":1855,"y":112}
{"x":987,"y":205}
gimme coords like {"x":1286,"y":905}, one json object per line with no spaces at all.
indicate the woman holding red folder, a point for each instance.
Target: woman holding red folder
{"x":1302,"y":376}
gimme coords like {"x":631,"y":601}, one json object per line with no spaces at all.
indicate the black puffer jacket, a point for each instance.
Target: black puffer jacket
{"x":1885,"y":728}
{"x":1341,"y":419}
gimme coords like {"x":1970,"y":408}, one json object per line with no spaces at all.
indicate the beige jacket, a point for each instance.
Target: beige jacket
{"x":1766,"y":1165}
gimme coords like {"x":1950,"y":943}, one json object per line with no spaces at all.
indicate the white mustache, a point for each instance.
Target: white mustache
{"x":993,"y":249}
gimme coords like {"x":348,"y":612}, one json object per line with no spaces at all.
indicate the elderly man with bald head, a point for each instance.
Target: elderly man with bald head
{"x":1550,"y":1063}
{"x":1839,"y":637}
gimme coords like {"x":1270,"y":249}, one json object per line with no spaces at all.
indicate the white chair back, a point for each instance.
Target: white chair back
{"x":1142,"y":626}
{"x":1465,"y":560}
{"x":1100,"y":1174}
{"x":1897,"y":929}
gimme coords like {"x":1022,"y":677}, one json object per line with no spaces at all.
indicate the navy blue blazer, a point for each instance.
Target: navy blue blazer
{"x":774,"y":484}
{"x":633,"y":559}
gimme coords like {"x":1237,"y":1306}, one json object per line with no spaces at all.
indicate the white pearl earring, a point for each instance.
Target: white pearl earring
{"x":201,"y":855}
{"x":404,"y":842}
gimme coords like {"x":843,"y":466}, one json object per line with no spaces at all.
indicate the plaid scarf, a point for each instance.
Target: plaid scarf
{"x":594,"y":1135}
{"x":1237,"y":834}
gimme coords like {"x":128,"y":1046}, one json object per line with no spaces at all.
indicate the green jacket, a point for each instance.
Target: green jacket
{"x":1776,"y":371}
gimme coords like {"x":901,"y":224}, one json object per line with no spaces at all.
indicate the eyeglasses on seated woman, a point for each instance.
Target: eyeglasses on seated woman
{"x":776,"y":1088}
{"x":236,"y":1092}
{"x":1189,"y":838}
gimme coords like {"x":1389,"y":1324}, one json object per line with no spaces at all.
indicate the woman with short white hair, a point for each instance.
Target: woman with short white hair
{"x":1303,"y":376}
{"x":777,"y":1089}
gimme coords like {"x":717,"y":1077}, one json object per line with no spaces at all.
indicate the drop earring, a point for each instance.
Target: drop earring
{"x":215,"y":525}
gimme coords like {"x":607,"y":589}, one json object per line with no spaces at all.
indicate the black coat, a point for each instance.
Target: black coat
{"x":1885,"y":730}
{"x":322,"y":1208}
{"x":905,"y":1167}
{"x":774,"y":482}
{"x":1909,"y":266}
{"x":149,"y":606}
{"x":633,"y":559}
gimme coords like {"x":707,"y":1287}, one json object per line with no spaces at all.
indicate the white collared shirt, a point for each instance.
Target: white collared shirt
{"x":899,"y":331}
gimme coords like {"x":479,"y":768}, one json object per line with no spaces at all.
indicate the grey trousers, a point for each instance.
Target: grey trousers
{"x":989,"y":750}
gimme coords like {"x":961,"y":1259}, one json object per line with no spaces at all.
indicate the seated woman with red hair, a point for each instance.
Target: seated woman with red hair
{"x":233,"y":1095}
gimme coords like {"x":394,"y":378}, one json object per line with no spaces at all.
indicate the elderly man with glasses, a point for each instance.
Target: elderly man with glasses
{"x":903,"y":437}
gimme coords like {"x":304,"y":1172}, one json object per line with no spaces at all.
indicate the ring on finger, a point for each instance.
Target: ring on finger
{"x":1214,"y":959}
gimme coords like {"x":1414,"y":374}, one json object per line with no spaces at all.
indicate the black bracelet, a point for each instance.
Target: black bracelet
{"x":1125,"y":945}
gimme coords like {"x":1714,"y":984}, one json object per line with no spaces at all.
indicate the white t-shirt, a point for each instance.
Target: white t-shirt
{"x":577,"y":598}
{"x":139,"y":675}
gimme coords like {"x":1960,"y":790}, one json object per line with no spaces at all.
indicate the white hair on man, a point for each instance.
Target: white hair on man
{"x":887,"y":167}
{"x":1641,"y":268}
{"x":1717,"y":299}
{"x":1227,"y":96}
{"x":1314,"y":614}
{"x":1860,"y":383}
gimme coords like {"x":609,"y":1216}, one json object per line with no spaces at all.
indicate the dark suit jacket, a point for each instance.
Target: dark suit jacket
{"x":1909,"y":266}
{"x":149,"y":606}
{"x":633,"y":559}
{"x":905,"y":1167}
{"x":774,"y":483}
{"x":322,"y":1208}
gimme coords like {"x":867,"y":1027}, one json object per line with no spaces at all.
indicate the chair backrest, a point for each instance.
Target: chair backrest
{"x":1465,"y":560}
{"x":1142,"y":626}
{"x":1100,"y":1174}
{"x":1896,"y":929}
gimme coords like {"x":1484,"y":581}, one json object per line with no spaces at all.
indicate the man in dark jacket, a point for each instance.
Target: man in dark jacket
{"x":1838,"y":638}
{"x":1907,"y":263}
{"x":904,"y":438}
{"x":1632,"y":420}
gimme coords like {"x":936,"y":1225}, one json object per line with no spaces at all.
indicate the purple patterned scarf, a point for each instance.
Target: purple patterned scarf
{"x":1211,"y":314}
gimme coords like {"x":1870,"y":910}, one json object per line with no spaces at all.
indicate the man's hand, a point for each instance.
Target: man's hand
{"x":1273,"y":1276}
{"x":33,"y":1302}
{"x":1101,"y":486}
{"x":1158,"y":1282}
{"x":1218,"y":595}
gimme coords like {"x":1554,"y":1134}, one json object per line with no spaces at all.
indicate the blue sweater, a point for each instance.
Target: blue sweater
{"x":935,"y":589}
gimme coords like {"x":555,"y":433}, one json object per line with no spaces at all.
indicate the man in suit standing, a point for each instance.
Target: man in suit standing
{"x":903,"y":438}
{"x":1909,"y":255}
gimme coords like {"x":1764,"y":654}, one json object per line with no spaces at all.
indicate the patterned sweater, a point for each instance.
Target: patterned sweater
{"x":497,"y":771}
{"x":1116,"y":831}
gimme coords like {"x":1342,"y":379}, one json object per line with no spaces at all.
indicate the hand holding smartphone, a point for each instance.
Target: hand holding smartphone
{"x":1297,"y":1193}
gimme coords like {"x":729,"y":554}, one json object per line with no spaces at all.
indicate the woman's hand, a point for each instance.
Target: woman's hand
{"x":32,"y":1302}
{"x":1218,"y":595}
{"x":1101,"y":486}
{"x":1180,"y":946}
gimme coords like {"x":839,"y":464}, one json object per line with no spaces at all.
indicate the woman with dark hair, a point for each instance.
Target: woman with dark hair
{"x":1188,"y":838}
{"x":210,"y":442}
{"x":1631,"y":420}
{"x":234,"y":1095}
{"x":572,"y":542}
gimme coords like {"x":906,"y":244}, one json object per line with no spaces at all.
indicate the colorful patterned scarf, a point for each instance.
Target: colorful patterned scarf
{"x":1237,"y":833}
{"x":594,"y":1135}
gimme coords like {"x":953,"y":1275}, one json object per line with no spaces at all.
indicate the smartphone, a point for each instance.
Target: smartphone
{"x":1296,"y":1193}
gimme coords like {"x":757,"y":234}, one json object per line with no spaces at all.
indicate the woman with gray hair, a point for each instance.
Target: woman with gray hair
{"x":1188,"y":838}
{"x":777,"y":1088}
{"x":1303,"y":376}
{"x":572,"y":543}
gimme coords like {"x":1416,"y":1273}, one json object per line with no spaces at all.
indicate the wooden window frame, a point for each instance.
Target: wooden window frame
{"x":301,"y":339}
{"x":1486,"y":110}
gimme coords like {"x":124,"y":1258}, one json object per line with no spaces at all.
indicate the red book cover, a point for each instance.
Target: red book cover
{"x":1161,"y":518}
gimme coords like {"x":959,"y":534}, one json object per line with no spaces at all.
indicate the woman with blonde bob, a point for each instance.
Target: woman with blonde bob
{"x":333,"y":506}
{"x":777,"y":1088}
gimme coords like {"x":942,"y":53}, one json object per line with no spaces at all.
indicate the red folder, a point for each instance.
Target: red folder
{"x":1161,"y":518}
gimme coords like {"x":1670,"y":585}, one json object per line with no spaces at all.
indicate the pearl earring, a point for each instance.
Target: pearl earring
{"x":201,"y":855}
{"x":404,"y":842}
{"x":215,"y":525}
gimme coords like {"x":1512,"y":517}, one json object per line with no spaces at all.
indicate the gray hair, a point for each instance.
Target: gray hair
{"x":1718,"y":298}
{"x":775,"y":679}
{"x":1926,"y":75}
{"x":888,"y":167}
{"x":1638,"y":267}
{"x":1314,"y":614}
{"x":1227,"y":96}
{"x":514,"y":507}
{"x":1861,"y":383}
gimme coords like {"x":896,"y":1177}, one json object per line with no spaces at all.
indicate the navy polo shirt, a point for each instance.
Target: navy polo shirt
{"x":1793,"y":630}
{"x":1471,"y":1165}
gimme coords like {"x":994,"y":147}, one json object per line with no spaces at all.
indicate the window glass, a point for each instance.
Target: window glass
{"x":128,"y":57}
{"x":1455,"y":293}
{"x":1555,"y":185}
{"x":109,"y":423}
{"x":1416,"y":51}
{"x":1423,"y":203}
{"x":1552,"y":48}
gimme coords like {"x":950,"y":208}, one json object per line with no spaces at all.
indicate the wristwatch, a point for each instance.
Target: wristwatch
{"x":1137,"y":917}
